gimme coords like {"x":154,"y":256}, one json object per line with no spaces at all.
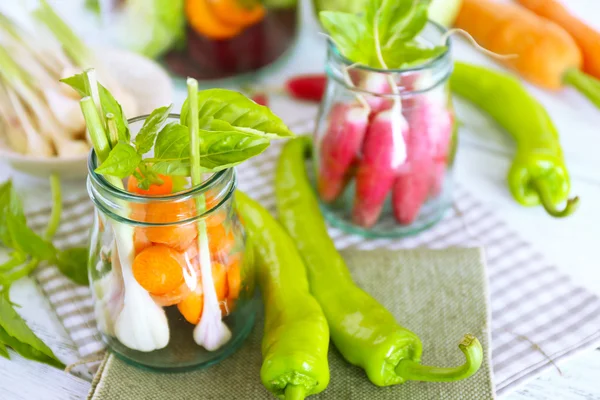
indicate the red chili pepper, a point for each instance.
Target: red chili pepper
{"x":261,"y":99}
{"x":307,"y":87}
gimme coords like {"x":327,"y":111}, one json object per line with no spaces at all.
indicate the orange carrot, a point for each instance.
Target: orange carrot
{"x":154,"y":190}
{"x":191,"y":307}
{"x":586,"y":37}
{"x":221,"y":240}
{"x":234,"y":279}
{"x":202,"y":20}
{"x":173,"y":297}
{"x":177,"y":236}
{"x":233,"y":13}
{"x":546,"y":54}
{"x":158,"y":269}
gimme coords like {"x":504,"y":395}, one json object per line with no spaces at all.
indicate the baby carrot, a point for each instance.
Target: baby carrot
{"x":158,"y":269}
{"x":586,"y":37}
{"x":545,"y":54}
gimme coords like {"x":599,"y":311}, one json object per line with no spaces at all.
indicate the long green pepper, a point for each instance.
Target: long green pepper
{"x":364,"y":332}
{"x":296,"y":336}
{"x":538,"y":174}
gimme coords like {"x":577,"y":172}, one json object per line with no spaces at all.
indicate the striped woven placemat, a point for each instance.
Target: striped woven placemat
{"x":539,"y":316}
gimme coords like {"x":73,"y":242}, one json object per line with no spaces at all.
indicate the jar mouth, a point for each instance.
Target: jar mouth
{"x":110,"y":198}
{"x":427,"y":64}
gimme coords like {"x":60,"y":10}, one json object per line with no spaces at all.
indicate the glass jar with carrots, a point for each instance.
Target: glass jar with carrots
{"x":163,"y":218}
{"x":230,"y":37}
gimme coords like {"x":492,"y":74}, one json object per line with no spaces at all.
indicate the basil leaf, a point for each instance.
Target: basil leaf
{"x":173,"y":168}
{"x":146,"y":136}
{"x":172,"y":143}
{"x":108,"y":102}
{"x":350,"y":36}
{"x":409,"y":54}
{"x":221,"y":150}
{"x":25,"y":240}
{"x":15,"y":333}
{"x":239,"y":111}
{"x":121,"y":162}
{"x":73,"y":264}
{"x":110,"y":105}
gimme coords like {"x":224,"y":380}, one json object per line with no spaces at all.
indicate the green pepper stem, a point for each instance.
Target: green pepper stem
{"x":471,"y":348}
{"x":543,"y":192}
{"x":585,"y":84}
{"x":295,"y":392}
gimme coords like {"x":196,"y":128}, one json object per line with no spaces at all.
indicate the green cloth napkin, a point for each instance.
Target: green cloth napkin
{"x":439,"y":295}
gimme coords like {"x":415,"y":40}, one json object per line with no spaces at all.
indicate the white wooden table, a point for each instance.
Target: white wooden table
{"x":484,"y":156}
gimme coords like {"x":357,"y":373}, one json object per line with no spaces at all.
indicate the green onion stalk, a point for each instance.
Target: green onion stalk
{"x":211,"y":333}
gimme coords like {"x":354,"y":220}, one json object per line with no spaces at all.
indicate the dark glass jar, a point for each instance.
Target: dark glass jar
{"x":231,"y":37}
{"x":172,"y":283}
{"x":385,"y":143}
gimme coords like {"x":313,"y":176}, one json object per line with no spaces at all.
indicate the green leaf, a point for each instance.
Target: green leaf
{"x":397,"y":21}
{"x":239,"y":111}
{"x":172,"y":168}
{"x":121,"y":162}
{"x":73,"y":264}
{"x":108,"y":102}
{"x":172,"y":143}
{"x":3,"y":351}
{"x":146,"y":136}
{"x":410,"y":54}
{"x":350,"y":35}
{"x":15,"y":333}
{"x":24,"y":239}
{"x":221,"y":150}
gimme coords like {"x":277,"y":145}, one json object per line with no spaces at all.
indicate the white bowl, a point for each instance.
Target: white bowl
{"x":143,"y":78}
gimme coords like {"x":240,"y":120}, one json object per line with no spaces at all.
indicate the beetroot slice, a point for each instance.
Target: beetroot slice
{"x":383,"y":153}
{"x":339,"y":148}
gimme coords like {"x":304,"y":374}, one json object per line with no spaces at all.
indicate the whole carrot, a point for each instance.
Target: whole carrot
{"x":586,"y":37}
{"x":546,"y":54}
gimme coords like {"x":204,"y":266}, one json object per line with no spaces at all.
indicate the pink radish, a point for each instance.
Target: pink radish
{"x":339,"y":148}
{"x":411,"y":186}
{"x":383,"y":152}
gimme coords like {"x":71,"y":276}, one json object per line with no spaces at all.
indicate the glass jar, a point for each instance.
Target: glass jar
{"x":231,"y":37}
{"x":385,"y":143}
{"x":172,"y":283}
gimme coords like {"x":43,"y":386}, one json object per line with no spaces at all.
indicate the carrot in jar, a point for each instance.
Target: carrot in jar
{"x":173,"y":297}
{"x":140,"y":240}
{"x":220,"y":239}
{"x":177,"y":236}
{"x":234,"y":278}
{"x":233,"y":13}
{"x":154,"y":190}
{"x":191,"y":307}
{"x":204,"y":22}
{"x":158,"y":269}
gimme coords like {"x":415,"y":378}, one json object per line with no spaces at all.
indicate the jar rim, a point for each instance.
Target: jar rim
{"x":427,"y":64}
{"x":123,"y":194}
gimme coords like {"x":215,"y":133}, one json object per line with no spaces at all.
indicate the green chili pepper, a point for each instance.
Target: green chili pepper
{"x":538,"y":174}
{"x":364,"y":332}
{"x":296,"y":337}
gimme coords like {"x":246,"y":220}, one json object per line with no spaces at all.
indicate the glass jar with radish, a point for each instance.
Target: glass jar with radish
{"x":385,"y":138}
{"x":170,"y":266}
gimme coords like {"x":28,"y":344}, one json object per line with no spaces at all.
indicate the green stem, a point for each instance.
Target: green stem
{"x":471,"y":348}
{"x":56,"y":207}
{"x":95,"y":128}
{"x":584,"y":83}
{"x":546,"y":199}
{"x":16,"y":259}
{"x":91,"y":85}
{"x":113,"y":131}
{"x":295,"y":392}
